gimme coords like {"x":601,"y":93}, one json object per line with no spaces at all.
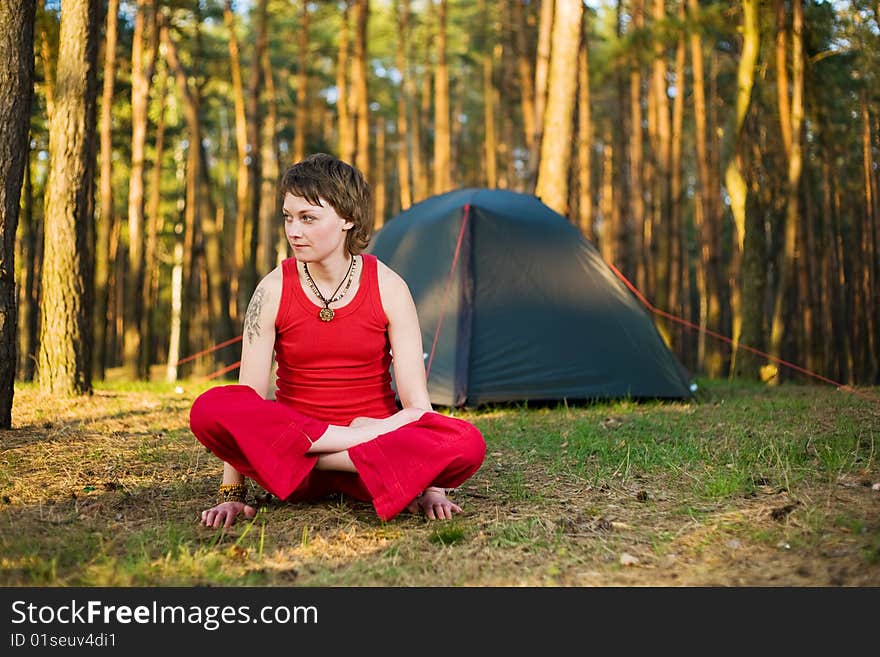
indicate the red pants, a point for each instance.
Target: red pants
{"x":267,"y":441}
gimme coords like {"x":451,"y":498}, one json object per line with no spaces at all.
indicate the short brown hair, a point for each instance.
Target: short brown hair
{"x":322,"y":176}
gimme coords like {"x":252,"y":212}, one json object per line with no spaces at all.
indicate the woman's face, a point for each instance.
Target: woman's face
{"x":314,"y":232}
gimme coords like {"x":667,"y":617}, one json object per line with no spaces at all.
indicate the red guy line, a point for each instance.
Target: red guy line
{"x":208,"y":350}
{"x":464,"y":220}
{"x":724,"y":338}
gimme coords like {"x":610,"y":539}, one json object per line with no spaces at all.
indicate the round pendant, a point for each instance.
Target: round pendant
{"x":326,"y":314}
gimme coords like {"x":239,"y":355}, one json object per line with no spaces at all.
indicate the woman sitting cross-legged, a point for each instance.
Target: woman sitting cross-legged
{"x":336,"y":321}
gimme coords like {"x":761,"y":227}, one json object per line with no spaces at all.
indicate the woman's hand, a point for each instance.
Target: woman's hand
{"x":224,"y":515}
{"x":399,"y":419}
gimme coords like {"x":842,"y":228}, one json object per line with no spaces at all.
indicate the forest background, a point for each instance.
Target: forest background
{"x":722,"y":155}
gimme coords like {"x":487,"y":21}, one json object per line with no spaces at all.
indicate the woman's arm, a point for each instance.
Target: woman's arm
{"x":406,"y":340}
{"x":257,"y":348}
{"x":258,"y":335}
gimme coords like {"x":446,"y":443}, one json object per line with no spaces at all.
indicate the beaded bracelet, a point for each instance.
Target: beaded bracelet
{"x":232,"y":493}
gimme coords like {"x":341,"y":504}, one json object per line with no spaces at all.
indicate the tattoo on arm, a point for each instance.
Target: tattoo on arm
{"x":252,"y":317}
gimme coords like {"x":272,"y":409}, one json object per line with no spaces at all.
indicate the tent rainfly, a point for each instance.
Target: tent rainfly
{"x":516,"y":305}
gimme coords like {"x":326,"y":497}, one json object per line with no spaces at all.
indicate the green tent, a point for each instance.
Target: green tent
{"x":515,"y":304}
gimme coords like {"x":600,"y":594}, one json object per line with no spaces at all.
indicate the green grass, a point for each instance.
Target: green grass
{"x":106,"y":492}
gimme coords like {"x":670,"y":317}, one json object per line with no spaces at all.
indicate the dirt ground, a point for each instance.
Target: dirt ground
{"x":123,"y":466}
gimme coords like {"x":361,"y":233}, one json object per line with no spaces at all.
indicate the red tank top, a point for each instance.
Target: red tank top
{"x":338,"y":370}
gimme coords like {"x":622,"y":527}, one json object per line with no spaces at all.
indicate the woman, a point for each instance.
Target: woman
{"x":333,"y":318}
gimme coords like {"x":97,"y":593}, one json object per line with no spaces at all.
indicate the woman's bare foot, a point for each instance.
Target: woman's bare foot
{"x":434,"y":504}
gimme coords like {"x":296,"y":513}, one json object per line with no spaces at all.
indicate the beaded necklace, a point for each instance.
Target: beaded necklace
{"x":326,"y":313}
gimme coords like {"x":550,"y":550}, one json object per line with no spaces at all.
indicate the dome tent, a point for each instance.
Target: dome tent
{"x":515,"y":304}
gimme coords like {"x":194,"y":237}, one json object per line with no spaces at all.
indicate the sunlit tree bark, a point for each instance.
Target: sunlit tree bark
{"x":403,"y":101}
{"x":360,"y":107}
{"x":608,"y":208}
{"x":66,"y":337}
{"x":270,"y":231}
{"x":584,"y":139}
{"x":795,"y":166}
{"x":379,"y":182}
{"x":420,"y":183}
{"x":343,"y":100}
{"x":442,"y":136}
{"x":869,"y":247}
{"x":301,"y":123}
{"x":552,"y":185}
{"x":490,"y":147}
{"x":735,"y":182}
{"x":47,"y":58}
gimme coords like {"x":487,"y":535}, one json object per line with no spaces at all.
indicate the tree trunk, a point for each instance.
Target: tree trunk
{"x":737,"y":186}
{"x":585,"y":139}
{"x":174,"y":334}
{"x":507,"y":147}
{"x":47,"y":59}
{"x":441,"y":106}
{"x":795,"y":164}
{"x":420,"y":174}
{"x":379,"y":183}
{"x":359,"y":88}
{"x":676,"y":237}
{"x":753,"y":276}
{"x":115,"y":289}
{"x":827,"y":276}
{"x":454,"y":172}
{"x":16,"y":90}
{"x":552,"y":185}
{"x":636,"y":163}
{"x":30,"y":257}
{"x":542,"y":68}
{"x":782,"y":78}
{"x":607,"y":207}
{"x":191,"y":224}
{"x":620,"y":131}
{"x":869,"y":247}
{"x":255,"y":165}
{"x":490,"y":147}
{"x":150,"y":294}
{"x":239,"y":250}
{"x":300,"y":127}
{"x":658,"y":223}
{"x":843,"y":345}
{"x":403,"y":102}
{"x":346,"y":128}
{"x":142,"y":65}
{"x":526,"y":75}
{"x":270,"y":232}
{"x":65,"y":339}
{"x":426,"y":114}
{"x":107,"y":216}
{"x":808,"y":282}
